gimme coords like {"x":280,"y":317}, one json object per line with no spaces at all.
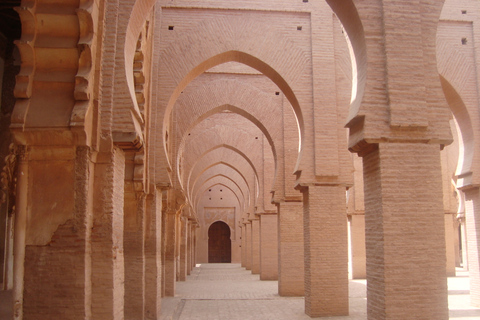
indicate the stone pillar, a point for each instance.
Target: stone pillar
{"x":53,"y":227}
{"x":194,"y":251}
{"x":472,"y":221}
{"x":464,"y":244}
{"x":268,"y":247}
{"x":248,"y":245}
{"x":183,"y":249}
{"x":357,"y":236}
{"x":194,"y":248}
{"x":405,"y":232}
{"x":163,"y":239}
{"x":255,"y":246}
{"x":9,"y":243}
{"x":107,"y":237}
{"x":20,"y":230}
{"x":290,"y":249}
{"x":153,"y":261}
{"x":244,"y":245}
{"x":189,"y":247}
{"x":450,"y":231}
{"x":326,"y":251}
{"x":170,"y":259}
{"x":133,"y":244}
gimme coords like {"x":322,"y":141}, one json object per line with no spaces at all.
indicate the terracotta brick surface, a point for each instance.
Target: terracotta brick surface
{"x":290,"y":249}
{"x":147,"y":121}
{"x":405,"y":233}
{"x":268,"y":247}
{"x":326,"y":258}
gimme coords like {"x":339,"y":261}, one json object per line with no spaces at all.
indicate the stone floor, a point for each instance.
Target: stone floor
{"x":228,"y":291}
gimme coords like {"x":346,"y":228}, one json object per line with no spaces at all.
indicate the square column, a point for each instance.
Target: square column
{"x":189,"y":247}
{"x":405,"y":232}
{"x":108,"y":271}
{"x":450,"y":232}
{"x":134,"y":256}
{"x":194,"y":251}
{"x":290,"y":249}
{"x":268,"y":247}
{"x":357,"y":236}
{"x":59,"y":214}
{"x":183,"y":249}
{"x":170,"y":259}
{"x":472,"y":221}
{"x":248,"y":245}
{"x":256,"y":246}
{"x":326,"y":251}
{"x":244,"y":245}
{"x":153,"y":255}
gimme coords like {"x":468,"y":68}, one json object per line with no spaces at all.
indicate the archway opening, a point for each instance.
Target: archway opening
{"x":219,"y":243}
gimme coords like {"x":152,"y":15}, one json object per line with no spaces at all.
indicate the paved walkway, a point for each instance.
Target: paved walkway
{"x":228,"y":291}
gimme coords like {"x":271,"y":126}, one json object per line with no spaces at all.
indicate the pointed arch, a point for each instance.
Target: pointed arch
{"x":466,"y":134}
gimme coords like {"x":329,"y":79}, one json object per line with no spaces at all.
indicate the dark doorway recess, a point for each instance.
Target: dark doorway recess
{"x":219,"y":243}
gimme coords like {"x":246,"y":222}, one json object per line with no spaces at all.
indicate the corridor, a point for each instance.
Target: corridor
{"x":228,"y":291}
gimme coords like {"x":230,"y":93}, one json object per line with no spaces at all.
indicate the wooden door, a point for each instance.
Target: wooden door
{"x":219,"y":243}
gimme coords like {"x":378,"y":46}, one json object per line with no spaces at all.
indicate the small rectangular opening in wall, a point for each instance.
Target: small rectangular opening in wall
{"x":464,"y":11}
{"x":299,"y":28}
{"x":305,"y":0}
{"x":170,"y":27}
{"x":277,"y":93}
{"x":464,"y":41}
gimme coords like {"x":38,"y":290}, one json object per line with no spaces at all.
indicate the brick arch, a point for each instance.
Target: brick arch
{"x":272,"y":141}
{"x":269,"y":124}
{"x":234,"y":96}
{"x":457,"y":77}
{"x":247,"y":59}
{"x":221,"y":179}
{"x":138,"y":16}
{"x":208,"y":170}
{"x":205,"y":187}
{"x":254,"y":63}
{"x":217,"y":147}
{"x":466,"y":135}
{"x":347,"y":13}
{"x":212,"y":138}
{"x":221,"y":169}
{"x":229,"y":157}
{"x":227,"y":39}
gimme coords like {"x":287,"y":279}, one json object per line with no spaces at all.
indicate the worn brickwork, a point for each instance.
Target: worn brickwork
{"x":107,"y":238}
{"x":65,"y":257}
